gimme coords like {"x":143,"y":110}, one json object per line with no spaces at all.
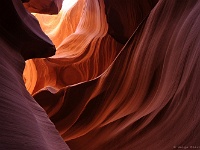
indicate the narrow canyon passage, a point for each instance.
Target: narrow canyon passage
{"x":109,"y":74}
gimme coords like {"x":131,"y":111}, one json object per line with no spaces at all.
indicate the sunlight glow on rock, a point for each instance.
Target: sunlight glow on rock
{"x":67,"y":4}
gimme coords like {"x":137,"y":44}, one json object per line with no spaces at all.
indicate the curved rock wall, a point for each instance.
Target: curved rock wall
{"x":125,"y":74}
{"x":44,"y":6}
{"x":146,"y":96}
{"x":23,"y":122}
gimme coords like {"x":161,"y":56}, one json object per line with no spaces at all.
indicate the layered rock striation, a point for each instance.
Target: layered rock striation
{"x":23,"y":122}
{"x":125,"y":74}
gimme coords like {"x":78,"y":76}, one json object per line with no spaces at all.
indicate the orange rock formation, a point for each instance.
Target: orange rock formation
{"x":125,"y":74}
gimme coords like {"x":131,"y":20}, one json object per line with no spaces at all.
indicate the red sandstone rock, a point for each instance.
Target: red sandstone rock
{"x":147,"y":98}
{"x":125,"y":75}
{"x":44,"y":6}
{"x":23,"y":122}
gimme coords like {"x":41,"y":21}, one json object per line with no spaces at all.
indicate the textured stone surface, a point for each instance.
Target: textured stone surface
{"x":136,"y":89}
{"x":23,"y":123}
{"x":44,"y":6}
{"x":125,"y":75}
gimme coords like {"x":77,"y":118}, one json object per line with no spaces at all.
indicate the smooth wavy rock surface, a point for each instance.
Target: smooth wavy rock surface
{"x":43,"y":6}
{"x":125,"y":75}
{"x":23,"y":122}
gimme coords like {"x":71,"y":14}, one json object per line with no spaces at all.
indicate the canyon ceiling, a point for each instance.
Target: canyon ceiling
{"x":100,"y":74}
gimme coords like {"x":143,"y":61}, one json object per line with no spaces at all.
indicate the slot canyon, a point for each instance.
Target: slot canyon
{"x":99,"y":74}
